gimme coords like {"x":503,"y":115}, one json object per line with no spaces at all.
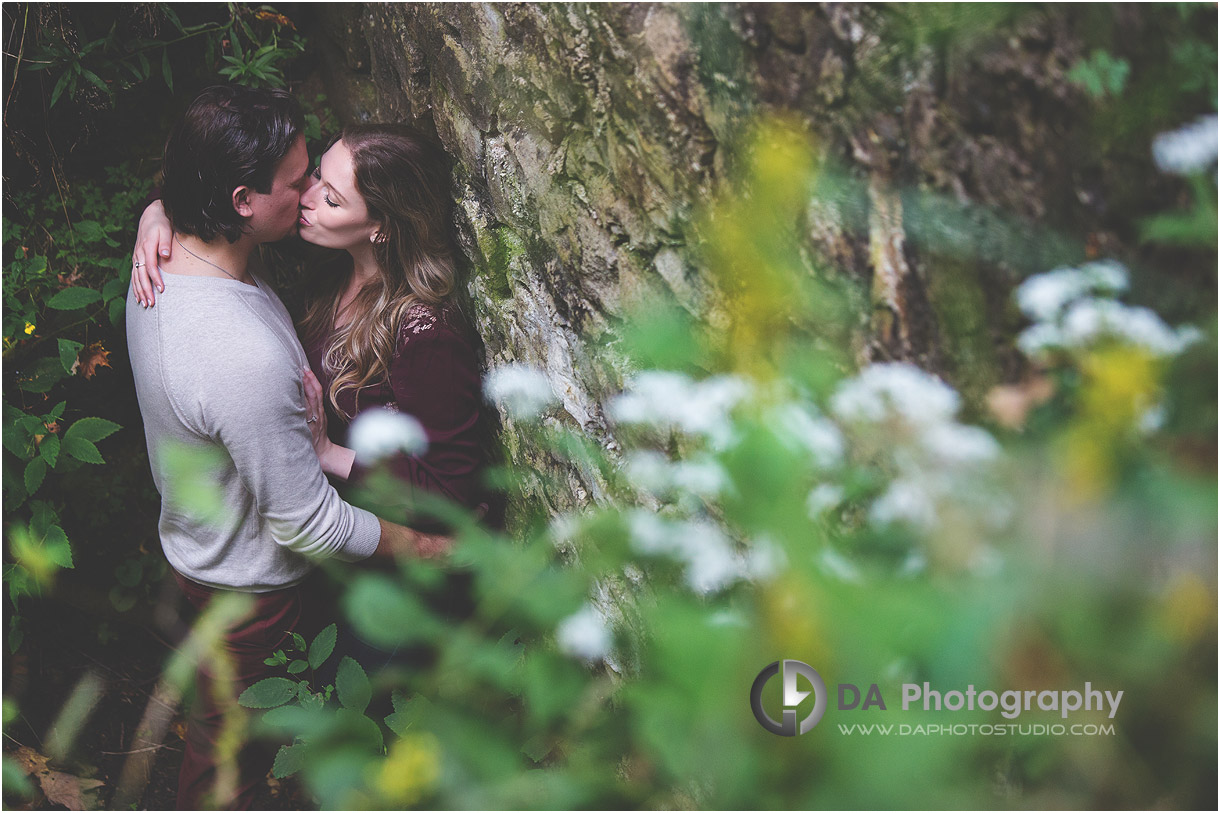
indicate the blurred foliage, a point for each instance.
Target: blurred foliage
{"x":608,"y":655}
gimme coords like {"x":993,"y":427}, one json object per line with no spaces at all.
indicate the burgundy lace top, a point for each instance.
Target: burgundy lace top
{"x":434,"y":376}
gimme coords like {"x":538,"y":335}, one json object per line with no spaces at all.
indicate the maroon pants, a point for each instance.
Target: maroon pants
{"x":267,"y":628}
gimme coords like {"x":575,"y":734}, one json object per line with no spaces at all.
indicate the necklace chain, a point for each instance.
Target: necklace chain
{"x":202,"y":260}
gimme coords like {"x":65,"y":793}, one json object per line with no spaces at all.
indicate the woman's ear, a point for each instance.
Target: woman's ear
{"x":241,"y":201}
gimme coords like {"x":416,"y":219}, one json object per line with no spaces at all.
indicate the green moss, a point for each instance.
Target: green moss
{"x":502,"y":248}
{"x":961,"y":311}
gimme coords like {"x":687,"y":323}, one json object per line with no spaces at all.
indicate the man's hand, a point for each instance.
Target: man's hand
{"x":400,"y":541}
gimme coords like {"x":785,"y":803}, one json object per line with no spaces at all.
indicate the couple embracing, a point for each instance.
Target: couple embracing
{"x":219,"y":367}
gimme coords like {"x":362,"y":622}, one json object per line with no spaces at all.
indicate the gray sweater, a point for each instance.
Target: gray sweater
{"x":244,"y":503}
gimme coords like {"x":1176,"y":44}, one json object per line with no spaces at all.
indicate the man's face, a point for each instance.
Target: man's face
{"x":275,"y":213}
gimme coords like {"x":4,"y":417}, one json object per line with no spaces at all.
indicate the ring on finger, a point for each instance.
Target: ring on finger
{"x":137,"y":264}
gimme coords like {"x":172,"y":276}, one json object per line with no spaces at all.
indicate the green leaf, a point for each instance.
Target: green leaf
{"x":82,"y":450}
{"x":43,"y":516}
{"x":297,"y":667}
{"x":20,"y":582}
{"x":406,"y":712}
{"x":70,"y":299}
{"x":129,"y":573}
{"x":323,"y":644}
{"x":172,"y":17}
{"x":92,"y":429}
{"x":60,"y":86}
{"x":35,"y":471}
{"x":43,"y":374}
{"x":385,"y":615}
{"x":166,"y":73}
{"x":89,"y":231}
{"x":58,"y":410}
{"x":16,"y":440}
{"x":116,"y":287}
{"x":353,"y":686}
{"x":95,"y":80}
{"x":268,"y":693}
{"x":360,"y":728}
{"x":49,"y":449}
{"x":122,"y":599}
{"x":58,"y":549}
{"x":298,"y":641}
{"x":67,"y":354}
{"x":288,"y":760}
{"x":271,"y":661}
{"x":118,"y":307}
{"x":15,"y":779}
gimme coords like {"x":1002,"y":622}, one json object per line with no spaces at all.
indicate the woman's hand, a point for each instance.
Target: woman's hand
{"x":336,"y":460}
{"x":153,"y":240}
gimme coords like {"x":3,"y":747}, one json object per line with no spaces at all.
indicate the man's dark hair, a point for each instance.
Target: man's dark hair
{"x":230,"y":136}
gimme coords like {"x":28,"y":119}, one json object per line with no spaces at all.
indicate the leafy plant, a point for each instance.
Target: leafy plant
{"x":66,"y":281}
{"x":253,"y":45}
{"x":1101,"y":74}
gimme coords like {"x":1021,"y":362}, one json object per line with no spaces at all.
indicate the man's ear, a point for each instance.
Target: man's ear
{"x":241,"y":201}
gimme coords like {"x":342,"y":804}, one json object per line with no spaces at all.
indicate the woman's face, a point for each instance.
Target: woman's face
{"x":333,"y":213}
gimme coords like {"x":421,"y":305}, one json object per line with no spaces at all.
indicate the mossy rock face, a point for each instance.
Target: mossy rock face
{"x":589,"y":139}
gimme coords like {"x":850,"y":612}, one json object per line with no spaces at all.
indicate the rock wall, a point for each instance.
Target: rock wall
{"x":586,"y":137}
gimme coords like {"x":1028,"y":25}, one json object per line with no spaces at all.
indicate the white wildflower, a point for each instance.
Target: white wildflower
{"x":710,"y":562}
{"x":702,"y":477}
{"x":822,"y":499}
{"x":905,"y":502}
{"x":649,"y":533}
{"x":1091,"y":319}
{"x":523,"y":391}
{"x":704,"y":550}
{"x":378,"y":433}
{"x":881,"y":391}
{"x":1153,"y":419}
{"x":1037,"y":339}
{"x":669,"y":400}
{"x":712,"y":401}
{"x":584,"y":634}
{"x":1187,"y":150}
{"x":654,"y":398}
{"x":914,"y":564}
{"x":648,"y":470}
{"x":764,"y":560}
{"x":819,"y":436}
{"x":954,"y":444}
{"x":1043,"y":296}
{"x":727,"y":618}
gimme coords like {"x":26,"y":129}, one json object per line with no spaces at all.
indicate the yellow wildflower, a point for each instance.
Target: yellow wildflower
{"x":410,"y":770}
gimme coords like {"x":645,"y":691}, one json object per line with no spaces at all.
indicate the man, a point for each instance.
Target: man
{"x":218,"y":372}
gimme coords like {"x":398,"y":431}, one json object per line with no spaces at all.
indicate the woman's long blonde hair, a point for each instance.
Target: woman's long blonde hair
{"x":405,"y":183}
